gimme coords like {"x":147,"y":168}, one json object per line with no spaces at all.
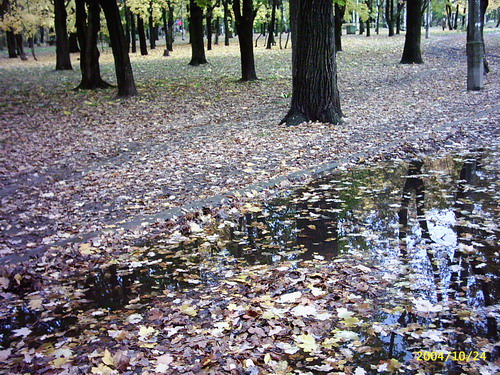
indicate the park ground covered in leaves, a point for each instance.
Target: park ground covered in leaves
{"x":237,"y":287}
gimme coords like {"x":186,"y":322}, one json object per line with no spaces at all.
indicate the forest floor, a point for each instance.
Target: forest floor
{"x":89,"y":179}
{"x":74,"y":162}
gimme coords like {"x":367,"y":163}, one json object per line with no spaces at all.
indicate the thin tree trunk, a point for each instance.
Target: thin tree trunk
{"x":455,"y":20}
{"x":123,"y":68}
{"x":133,"y":31}
{"x":63,"y":60}
{"x":217,"y":28}
{"x":152,"y":36}
{"x":338,"y":19}
{"x":209,"y":29}
{"x":170,"y":24}
{"x":400,"y":8}
{"x":226,"y":22}
{"x":270,"y":41}
{"x":196,"y":34}
{"x":389,"y":16}
{"x":127,"y":26}
{"x":411,"y":52}
{"x":448,"y":16}
{"x":142,"y":36}
{"x":32,"y":47}
{"x":315,"y":94}
{"x":244,"y":26}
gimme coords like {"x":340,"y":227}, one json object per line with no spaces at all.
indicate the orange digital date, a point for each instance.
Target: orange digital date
{"x":454,"y":356}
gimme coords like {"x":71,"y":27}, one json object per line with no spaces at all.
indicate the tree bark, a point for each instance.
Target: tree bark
{"x":11,"y":44}
{"x":315,"y":95}
{"x":272,"y":25}
{"x":63,"y":60}
{"x":389,"y":16}
{"x":152,"y":34}
{"x":87,"y":30}
{"x":226,"y":22}
{"x":170,"y":24}
{"x":196,"y":33}
{"x":217,"y":28}
{"x":411,"y":52}
{"x":399,"y":10}
{"x":73,"y":43}
{"x":484,"y":6}
{"x":142,"y":36}
{"x":20,"y":47}
{"x":475,"y":58}
{"x":244,"y":26}
{"x":123,"y":68}
{"x":209,"y":27}
{"x":339,"y":20}
{"x":133,"y":31}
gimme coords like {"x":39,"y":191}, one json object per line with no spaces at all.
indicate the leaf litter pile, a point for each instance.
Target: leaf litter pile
{"x":355,"y":273}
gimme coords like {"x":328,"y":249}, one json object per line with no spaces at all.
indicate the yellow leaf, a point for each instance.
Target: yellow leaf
{"x":350,"y":322}
{"x":267,"y":358}
{"x":18,"y":278}
{"x":35,"y":304}
{"x":58,"y":362}
{"x":108,"y":359}
{"x":85,"y":249}
{"x":188,"y":310}
{"x":307,"y":343}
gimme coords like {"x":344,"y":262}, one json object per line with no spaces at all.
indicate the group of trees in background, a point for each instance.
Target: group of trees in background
{"x":315,"y":25}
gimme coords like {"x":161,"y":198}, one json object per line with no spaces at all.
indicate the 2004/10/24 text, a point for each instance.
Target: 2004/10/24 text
{"x":454,"y":356}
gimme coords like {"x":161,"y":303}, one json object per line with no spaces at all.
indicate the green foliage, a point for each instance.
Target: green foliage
{"x":26,"y":16}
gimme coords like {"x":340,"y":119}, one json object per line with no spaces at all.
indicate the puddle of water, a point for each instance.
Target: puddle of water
{"x":430,"y":225}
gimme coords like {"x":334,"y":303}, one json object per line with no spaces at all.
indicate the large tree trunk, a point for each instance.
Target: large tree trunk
{"x":226,"y":22}
{"x":11,"y":44}
{"x":272,"y":25}
{"x":133,"y":31}
{"x":475,"y":48}
{"x":244,"y":27}
{"x":411,"y":52}
{"x":73,"y":43}
{"x":315,"y":95}
{"x":63,"y":60}
{"x":123,"y":68}
{"x":142,"y":36}
{"x":196,"y":34}
{"x":87,"y":31}
{"x":339,"y":19}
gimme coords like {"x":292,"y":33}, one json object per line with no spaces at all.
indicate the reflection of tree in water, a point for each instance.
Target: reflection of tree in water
{"x":317,"y":224}
{"x":475,"y":269}
{"x":472,"y":265}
